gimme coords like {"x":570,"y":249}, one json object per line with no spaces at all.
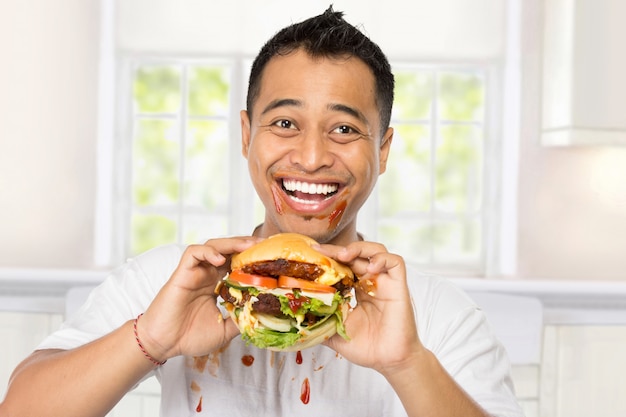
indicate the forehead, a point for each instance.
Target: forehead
{"x":298,"y":75}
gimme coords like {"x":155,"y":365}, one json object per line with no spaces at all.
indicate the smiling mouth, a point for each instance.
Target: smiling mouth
{"x":307,"y":192}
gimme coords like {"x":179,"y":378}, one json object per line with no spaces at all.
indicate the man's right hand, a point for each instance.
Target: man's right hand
{"x":184,"y":318}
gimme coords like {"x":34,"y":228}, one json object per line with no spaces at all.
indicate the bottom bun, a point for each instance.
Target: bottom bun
{"x":286,"y":342}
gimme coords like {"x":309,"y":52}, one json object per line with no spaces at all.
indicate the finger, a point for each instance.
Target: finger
{"x":232,"y":245}
{"x":348,"y":254}
{"x":383,"y":262}
{"x":215,"y":251}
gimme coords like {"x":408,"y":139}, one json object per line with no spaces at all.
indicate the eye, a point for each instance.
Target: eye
{"x":283,"y":127}
{"x":345,"y":134}
{"x":284,"y":124}
{"x":344,"y":130}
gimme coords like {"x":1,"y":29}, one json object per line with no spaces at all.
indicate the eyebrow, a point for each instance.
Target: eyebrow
{"x":282,"y":102}
{"x":348,"y":110}
{"x":290,"y":102}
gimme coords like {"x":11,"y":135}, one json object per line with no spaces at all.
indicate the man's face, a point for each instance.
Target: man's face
{"x":313,"y":146}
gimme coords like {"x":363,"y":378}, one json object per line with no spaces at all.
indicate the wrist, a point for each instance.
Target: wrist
{"x":148,"y":352}
{"x":414,"y":361}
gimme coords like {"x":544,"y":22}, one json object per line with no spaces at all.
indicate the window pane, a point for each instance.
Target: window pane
{"x":457,"y":242}
{"x":405,"y":186}
{"x":461,"y":96}
{"x":208,"y":91}
{"x":459,"y":169}
{"x":157,"y":89}
{"x":198,"y":228}
{"x":155,"y":163}
{"x":150,"y":230}
{"x":206,"y":165}
{"x":412,"y":239}
{"x":413,"y":95}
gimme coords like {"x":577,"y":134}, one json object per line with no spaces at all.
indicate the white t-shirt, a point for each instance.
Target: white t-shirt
{"x":243,"y":380}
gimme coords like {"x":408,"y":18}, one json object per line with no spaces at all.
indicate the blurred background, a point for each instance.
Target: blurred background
{"x":119,"y":131}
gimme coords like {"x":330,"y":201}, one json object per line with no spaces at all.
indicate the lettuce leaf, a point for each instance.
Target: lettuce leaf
{"x":264,"y":338}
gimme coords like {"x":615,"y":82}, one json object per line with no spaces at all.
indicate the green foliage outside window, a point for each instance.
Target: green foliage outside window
{"x":156,"y":89}
{"x":179,"y":153}
{"x":430,"y":198}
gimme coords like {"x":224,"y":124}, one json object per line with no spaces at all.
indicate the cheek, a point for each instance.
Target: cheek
{"x":256,"y":157}
{"x":260,"y":163}
{"x":364,"y":164}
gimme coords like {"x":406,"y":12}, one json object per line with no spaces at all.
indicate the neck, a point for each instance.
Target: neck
{"x":342,"y":238}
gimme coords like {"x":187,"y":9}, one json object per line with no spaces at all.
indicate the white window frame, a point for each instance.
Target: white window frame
{"x":490,"y":213}
{"x":499,"y":198}
{"x":242,"y":215}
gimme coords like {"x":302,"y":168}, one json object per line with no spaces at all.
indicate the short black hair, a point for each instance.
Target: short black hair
{"x":328,"y":35}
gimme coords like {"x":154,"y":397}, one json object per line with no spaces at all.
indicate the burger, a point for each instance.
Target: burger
{"x":286,"y":296}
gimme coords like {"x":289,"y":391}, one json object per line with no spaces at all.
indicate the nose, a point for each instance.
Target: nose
{"x":312,"y":152}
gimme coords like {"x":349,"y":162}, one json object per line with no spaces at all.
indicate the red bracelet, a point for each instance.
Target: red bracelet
{"x":146,"y":354}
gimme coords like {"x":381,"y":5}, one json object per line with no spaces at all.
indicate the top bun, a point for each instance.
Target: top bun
{"x":293,"y":247}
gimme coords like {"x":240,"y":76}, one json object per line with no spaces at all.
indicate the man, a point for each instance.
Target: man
{"x":316,"y":136}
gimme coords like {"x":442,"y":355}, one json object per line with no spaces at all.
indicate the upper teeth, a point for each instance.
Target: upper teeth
{"x":309,"y":188}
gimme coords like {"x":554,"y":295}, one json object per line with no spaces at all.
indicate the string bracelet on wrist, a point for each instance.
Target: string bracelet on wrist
{"x":143,"y":350}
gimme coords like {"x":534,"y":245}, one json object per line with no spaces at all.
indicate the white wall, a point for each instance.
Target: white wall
{"x":403,"y":28}
{"x":572,"y":200}
{"x":48,"y":80}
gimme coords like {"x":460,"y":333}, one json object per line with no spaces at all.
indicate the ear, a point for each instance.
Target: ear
{"x":245,"y":133}
{"x":384,"y":150}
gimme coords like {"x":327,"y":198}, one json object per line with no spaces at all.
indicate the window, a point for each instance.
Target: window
{"x":430,"y":205}
{"x":431,"y":199}
{"x":179,"y":143}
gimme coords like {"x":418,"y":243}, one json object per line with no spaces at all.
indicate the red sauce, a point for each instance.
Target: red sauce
{"x":199,"y":407}
{"x":277,"y":201}
{"x":247,"y":360}
{"x":299,"y":358}
{"x":296,"y":302}
{"x":305,"y":391}
{"x":336,"y":215}
{"x":369,"y":284}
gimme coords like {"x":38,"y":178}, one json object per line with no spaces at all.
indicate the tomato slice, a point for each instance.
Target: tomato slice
{"x":252,"y":279}
{"x":303,"y":284}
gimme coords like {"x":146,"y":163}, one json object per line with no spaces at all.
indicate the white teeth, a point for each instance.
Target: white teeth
{"x":309,"y":188}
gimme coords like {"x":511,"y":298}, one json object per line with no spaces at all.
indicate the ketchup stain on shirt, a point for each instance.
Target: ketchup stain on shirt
{"x":247,"y":360}
{"x":199,"y":362}
{"x":199,"y":407}
{"x":299,"y":358}
{"x":195,"y":387}
{"x":305,"y":391}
